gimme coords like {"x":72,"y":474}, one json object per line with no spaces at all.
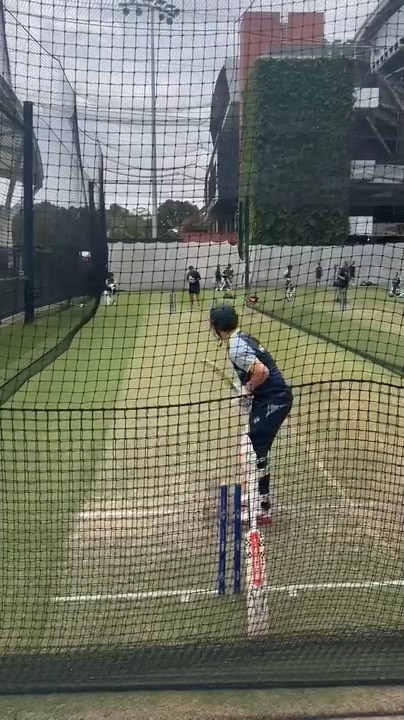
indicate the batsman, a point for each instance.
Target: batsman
{"x":265,"y":395}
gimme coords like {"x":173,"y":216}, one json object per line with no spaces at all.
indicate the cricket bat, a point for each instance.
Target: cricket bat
{"x":255,"y":582}
{"x":255,"y":562}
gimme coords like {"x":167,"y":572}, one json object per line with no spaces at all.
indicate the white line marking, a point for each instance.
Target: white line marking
{"x":363,"y":585}
{"x":123,"y":513}
{"x":189,"y":595}
{"x":183,"y":595}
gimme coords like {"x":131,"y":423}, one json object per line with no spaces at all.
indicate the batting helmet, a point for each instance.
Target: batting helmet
{"x":224,"y":318}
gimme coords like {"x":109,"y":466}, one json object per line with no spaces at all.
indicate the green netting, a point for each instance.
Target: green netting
{"x":184,"y":159}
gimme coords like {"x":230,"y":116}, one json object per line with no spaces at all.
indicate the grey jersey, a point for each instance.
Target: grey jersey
{"x":244,"y":350}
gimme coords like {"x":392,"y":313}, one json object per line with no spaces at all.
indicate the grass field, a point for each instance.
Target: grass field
{"x":21,"y":345}
{"x":371,"y":325}
{"x":111,"y":460}
{"x":210,"y":705}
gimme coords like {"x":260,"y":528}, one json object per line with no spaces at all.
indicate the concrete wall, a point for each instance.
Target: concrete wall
{"x":374,"y":262}
{"x":164,"y":266}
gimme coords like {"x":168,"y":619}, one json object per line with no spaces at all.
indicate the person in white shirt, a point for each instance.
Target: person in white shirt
{"x":110,"y":289}
{"x":289,"y":287}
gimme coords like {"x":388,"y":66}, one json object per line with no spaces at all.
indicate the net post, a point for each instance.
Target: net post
{"x":246,"y":232}
{"x":221,"y":575}
{"x":237,"y":539}
{"x":103,"y":239}
{"x":173,"y":303}
{"x":95,"y":286}
{"x":28,"y":213}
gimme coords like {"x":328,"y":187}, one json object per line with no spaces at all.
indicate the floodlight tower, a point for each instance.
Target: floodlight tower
{"x":166,"y":13}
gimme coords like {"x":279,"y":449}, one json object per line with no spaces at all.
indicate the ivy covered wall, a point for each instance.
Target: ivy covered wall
{"x":295,"y":164}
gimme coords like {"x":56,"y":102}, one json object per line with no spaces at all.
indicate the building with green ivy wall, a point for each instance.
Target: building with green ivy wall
{"x":312,"y":141}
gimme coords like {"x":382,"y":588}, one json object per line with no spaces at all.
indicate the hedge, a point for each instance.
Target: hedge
{"x":295,"y":168}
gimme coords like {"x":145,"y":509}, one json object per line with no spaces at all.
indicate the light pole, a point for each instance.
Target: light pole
{"x":166,"y":13}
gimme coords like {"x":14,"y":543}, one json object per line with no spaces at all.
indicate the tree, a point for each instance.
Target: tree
{"x":127,"y":226}
{"x":171,"y":215}
{"x":56,"y":228}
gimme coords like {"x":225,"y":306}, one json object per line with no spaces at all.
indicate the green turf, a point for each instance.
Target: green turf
{"x":48,"y":459}
{"x":106,"y":451}
{"x":372,"y":324}
{"x":209,"y":705}
{"x":20,"y":344}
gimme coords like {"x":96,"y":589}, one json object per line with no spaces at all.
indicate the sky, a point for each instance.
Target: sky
{"x":88,"y":45}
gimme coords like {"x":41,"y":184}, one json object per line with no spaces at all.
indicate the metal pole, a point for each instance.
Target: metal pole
{"x":247,"y":244}
{"x":151,"y":12}
{"x":28,"y":214}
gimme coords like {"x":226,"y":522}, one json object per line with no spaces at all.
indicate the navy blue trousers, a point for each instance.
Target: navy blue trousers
{"x":266,"y":417}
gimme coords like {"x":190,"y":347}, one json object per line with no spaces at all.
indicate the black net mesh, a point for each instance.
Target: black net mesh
{"x":189,"y":158}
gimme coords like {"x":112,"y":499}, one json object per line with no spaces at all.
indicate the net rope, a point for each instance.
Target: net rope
{"x":187,"y":158}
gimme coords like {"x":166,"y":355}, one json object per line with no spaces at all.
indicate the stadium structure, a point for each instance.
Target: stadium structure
{"x":11,"y":154}
{"x":376,"y":147}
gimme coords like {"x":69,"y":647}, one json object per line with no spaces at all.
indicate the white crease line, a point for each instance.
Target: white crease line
{"x":123,"y":513}
{"x":189,"y":595}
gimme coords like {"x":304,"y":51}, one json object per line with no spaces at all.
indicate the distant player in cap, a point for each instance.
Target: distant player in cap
{"x":266,"y":395}
{"x":319,"y":274}
{"x":343,"y":284}
{"x":194,"y":284}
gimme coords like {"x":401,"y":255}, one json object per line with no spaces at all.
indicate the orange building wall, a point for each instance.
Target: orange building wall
{"x":261,"y":32}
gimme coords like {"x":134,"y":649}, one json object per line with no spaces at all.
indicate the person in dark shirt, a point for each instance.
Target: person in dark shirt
{"x":319,"y":274}
{"x":194,"y":282}
{"x":265,"y":396}
{"x":343,"y":283}
{"x":352,"y":271}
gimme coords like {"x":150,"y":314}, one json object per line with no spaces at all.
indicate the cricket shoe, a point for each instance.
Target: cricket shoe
{"x":264,"y":515}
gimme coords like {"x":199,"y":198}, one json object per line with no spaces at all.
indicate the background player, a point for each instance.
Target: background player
{"x":289,"y":289}
{"x":226,"y":282}
{"x":228,"y":275}
{"x":319,"y":274}
{"x":396,"y":286}
{"x":335,"y":276}
{"x":352,"y":272}
{"x":266,"y":395}
{"x":110,"y":289}
{"x":342,"y":283}
{"x":194,"y":281}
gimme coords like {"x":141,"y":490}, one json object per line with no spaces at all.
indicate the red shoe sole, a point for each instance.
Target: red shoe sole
{"x":262,"y":521}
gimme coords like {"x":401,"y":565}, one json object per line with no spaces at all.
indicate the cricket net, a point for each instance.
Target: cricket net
{"x":52,"y":240}
{"x":122,"y":586}
{"x":182,"y":159}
